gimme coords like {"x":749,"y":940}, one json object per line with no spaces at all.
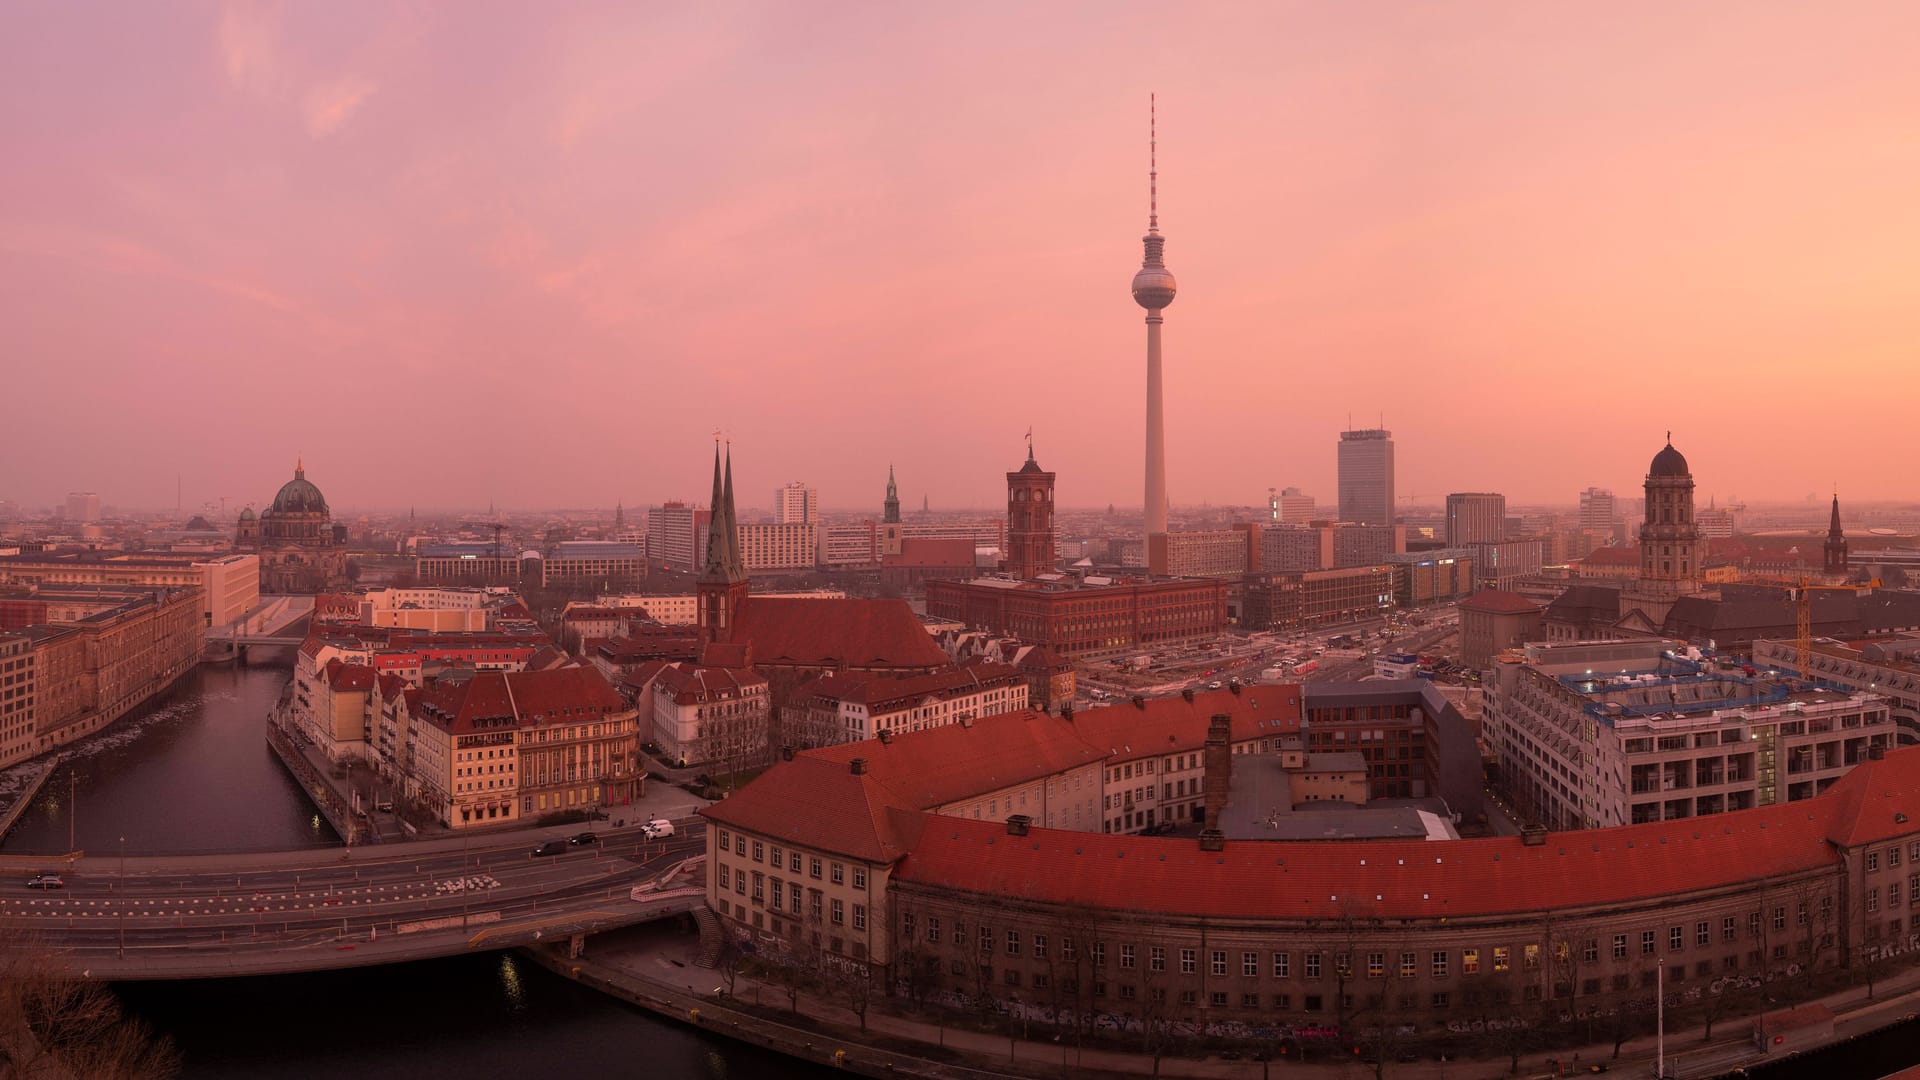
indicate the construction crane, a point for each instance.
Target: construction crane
{"x":1804,"y":638}
{"x":498,"y":528}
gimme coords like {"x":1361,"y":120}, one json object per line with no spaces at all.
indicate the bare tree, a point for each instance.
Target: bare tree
{"x":55,"y":1025}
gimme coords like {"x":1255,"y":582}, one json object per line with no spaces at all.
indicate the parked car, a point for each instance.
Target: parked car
{"x":657,"y":829}
{"x":46,"y":881}
{"x":552,"y":847}
{"x":579,"y":839}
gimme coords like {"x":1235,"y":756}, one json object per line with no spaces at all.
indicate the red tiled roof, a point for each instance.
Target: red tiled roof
{"x":1875,"y":800}
{"x":929,"y":554}
{"x":880,"y":691}
{"x":343,"y":676}
{"x":560,"y":696}
{"x":798,"y":632}
{"x":729,"y":654}
{"x":819,"y":803}
{"x":690,"y":684}
{"x":515,"y":610}
{"x":1172,"y":725}
{"x":939,"y":765}
{"x":594,"y":614}
{"x":1613,"y":556}
{"x":1500,"y":602}
{"x":1267,"y":879}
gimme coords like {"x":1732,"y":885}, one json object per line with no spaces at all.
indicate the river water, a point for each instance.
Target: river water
{"x":193,"y":773}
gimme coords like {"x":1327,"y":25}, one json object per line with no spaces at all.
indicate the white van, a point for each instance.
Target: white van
{"x":657,"y":829}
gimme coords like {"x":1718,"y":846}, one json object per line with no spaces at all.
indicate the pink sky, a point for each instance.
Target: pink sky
{"x":536,"y":255}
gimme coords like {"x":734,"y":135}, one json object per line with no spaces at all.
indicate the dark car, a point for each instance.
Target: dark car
{"x":579,"y":839}
{"x":552,"y":847}
{"x":46,"y":881}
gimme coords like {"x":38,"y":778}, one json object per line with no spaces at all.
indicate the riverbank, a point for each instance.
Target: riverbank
{"x":655,"y":968}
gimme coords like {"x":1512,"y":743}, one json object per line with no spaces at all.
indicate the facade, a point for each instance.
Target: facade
{"x":786,"y":546}
{"x":230,"y":587}
{"x":921,"y":561}
{"x":226,"y":595}
{"x":83,"y":507}
{"x":1598,"y":512}
{"x":1502,"y":565}
{"x":1366,"y":477}
{"x":438,"y":610}
{"x":673,"y":534}
{"x":1492,"y":621}
{"x":1291,"y":600}
{"x":100,"y":653}
{"x":469,"y":564}
{"x":796,"y":504}
{"x":1432,"y":577}
{"x":1216,"y":553}
{"x":1598,"y":734}
{"x":1888,"y":668}
{"x":837,"y":709}
{"x":1296,"y":547}
{"x":300,"y":549}
{"x":1476,"y":518}
{"x":1089,"y":617}
{"x":592,"y":562}
{"x":1366,"y":545}
{"x":711,"y":716}
{"x":1294,"y":507}
{"x":683,"y":609}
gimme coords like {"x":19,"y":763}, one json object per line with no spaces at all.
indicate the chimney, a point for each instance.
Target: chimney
{"x":1534,"y":836}
{"x":1218,"y":767}
{"x":786,"y":753}
{"x":858,"y":766}
{"x":1187,"y":693}
{"x":1213,"y":840}
{"x":1018,"y":824}
{"x":884,"y":736}
{"x":966,"y":719}
{"x":1140,"y":702}
{"x":1234,"y":686}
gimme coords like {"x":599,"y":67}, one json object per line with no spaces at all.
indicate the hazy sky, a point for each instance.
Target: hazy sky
{"x":538,"y":253}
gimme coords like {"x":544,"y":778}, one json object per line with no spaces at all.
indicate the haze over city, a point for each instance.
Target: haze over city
{"x":460,"y":255}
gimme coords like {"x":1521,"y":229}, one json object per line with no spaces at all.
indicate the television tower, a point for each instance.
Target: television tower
{"x":1153,"y":289}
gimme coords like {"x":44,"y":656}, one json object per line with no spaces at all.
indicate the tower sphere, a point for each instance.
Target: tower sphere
{"x":1153,"y":287}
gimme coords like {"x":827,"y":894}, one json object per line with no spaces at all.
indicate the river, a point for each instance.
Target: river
{"x":193,"y":773}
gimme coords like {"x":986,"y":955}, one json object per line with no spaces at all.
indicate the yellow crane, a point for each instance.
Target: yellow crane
{"x":1805,"y":627}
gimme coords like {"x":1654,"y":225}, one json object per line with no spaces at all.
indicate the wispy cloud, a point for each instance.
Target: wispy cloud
{"x":329,"y":105}
{"x":249,"y":43}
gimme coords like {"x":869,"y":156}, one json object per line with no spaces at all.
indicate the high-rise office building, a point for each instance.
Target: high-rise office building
{"x":1597,"y":511}
{"x":1289,"y":507}
{"x":83,"y":506}
{"x":1366,"y":476}
{"x":796,"y":504}
{"x":1476,"y":517}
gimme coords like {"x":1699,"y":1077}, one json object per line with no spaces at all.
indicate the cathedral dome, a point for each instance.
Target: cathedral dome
{"x":1669,"y":462}
{"x":246,"y":513}
{"x":299,"y":496}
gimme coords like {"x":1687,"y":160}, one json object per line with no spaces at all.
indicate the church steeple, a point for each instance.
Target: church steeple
{"x":723,"y":580}
{"x":1836,"y":547}
{"x":893,"y":499}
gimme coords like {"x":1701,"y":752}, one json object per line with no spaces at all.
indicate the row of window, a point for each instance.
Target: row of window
{"x":792,"y":859}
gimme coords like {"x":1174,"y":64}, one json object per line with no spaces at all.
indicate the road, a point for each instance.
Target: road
{"x":313,"y":899}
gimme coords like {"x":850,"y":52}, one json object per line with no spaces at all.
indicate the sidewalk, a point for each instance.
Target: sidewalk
{"x":663,"y":959}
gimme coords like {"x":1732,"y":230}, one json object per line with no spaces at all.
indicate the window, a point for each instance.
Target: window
{"x":1893,"y":857}
{"x":723,"y":879}
{"x":759,"y":852}
{"x":1013,"y":977}
{"x":1873,"y":900}
{"x":1702,"y":933}
{"x":723,"y":839}
{"x":759,"y":886}
{"x":1469,"y":961}
{"x":1127,"y":991}
{"x":1780,"y":918}
{"x":906,"y":925}
{"x":839,"y":874}
{"x":1342,"y":964}
{"x":986,"y":939}
{"x":1530,"y":957}
{"x":933,"y":928}
{"x":1219,"y":961}
{"x":1502,"y":958}
{"x":1646,"y":943}
{"x":1066,"y":949}
{"x":1099,"y":953}
{"x":739,"y":845}
{"x":1873,"y":861}
{"x":1590,"y":952}
{"x":1186,"y":961}
{"x":859,"y":916}
{"x":1313,"y":967}
{"x":1156,"y":958}
{"x":1250,"y":964}
{"x":1438,"y":964}
{"x":776,"y":858}
{"x":1409,"y":965}
{"x":1619,"y":946}
{"x":1727,"y":932}
{"x":1676,"y":937}
{"x":1126,"y":957}
{"x":839,"y":911}
{"x":1249,"y":1001}
{"x":1376,"y":965}
{"x":1013,"y":943}
{"x":1282,"y":965}
{"x":813,"y":868}
{"x":859,"y":877}
{"x":1039,"y":946}
{"x":1311,"y":1003}
{"x":1218,"y":999}
{"x":1440,"y":1000}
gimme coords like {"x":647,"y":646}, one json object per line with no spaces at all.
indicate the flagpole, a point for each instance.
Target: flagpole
{"x":1660,"y":1011}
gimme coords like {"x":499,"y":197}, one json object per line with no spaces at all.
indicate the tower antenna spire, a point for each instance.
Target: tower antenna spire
{"x":1153,"y":163}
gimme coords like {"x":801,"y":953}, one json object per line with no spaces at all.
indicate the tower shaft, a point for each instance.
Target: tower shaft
{"x":1156,"y":490}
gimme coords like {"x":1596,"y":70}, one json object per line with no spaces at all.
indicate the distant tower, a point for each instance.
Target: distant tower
{"x":1153,"y":289}
{"x":1366,"y":476}
{"x":1836,"y":542}
{"x":893,"y":499}
{"x":1030,"y":545}
{"x":1670,"y":539}
{"x":619,"y":516}
{"x":723,"y":583}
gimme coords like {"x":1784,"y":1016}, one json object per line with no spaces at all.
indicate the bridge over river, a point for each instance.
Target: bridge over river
{"x":190,"y":917}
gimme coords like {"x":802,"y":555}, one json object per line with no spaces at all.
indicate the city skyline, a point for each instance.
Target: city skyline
{"x":311,"y":233}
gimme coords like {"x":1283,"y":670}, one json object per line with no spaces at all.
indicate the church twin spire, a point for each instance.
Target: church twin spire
{"x":723,"y":563}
